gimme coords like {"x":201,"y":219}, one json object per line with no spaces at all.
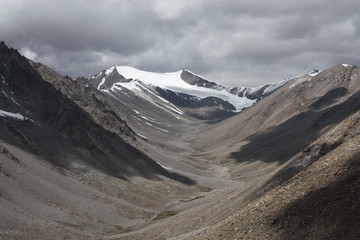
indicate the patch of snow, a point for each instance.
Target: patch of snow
{"x":162,"y":99}
{"x":174,"y":108}
{"x":167,"y":168}
{"x":244,"y":93}
{"x":101,"y":83}
{"x":251,"y":90}
{"x":142,"y":136}
{"x":4,"y":93}
{"x":167,"y":110}
{"x":138,"y":119}
{"x":161,"y":129}
{"x":17,"y":116}
{"x":346,"y":65}
{"x":107,"y":72}
{"x":105,"y":90}
{"x":14,"y":101}
{"x":117,"y":87}
{"x":147,"y":118}
{"x":314,"y":72}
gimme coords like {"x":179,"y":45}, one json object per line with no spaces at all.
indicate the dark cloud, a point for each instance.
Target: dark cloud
{"x":232,"y":42}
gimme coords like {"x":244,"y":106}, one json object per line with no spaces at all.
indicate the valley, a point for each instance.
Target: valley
{"x":129,"y":154}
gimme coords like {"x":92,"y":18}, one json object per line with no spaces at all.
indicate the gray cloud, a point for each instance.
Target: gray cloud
{"x":232,"y":42}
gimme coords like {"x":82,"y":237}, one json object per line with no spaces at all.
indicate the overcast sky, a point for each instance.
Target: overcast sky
{"x":237,"y":43}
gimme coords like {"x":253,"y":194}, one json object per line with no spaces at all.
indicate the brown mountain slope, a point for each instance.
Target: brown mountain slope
{"x":320,"y":202}
{"x":276,"y":128}
{"x":292,"y":99}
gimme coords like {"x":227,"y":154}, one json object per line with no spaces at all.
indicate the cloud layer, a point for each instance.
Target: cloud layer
{"x":238,"y":43}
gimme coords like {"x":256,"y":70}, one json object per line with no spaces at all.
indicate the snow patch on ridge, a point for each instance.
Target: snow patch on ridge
{"x":313,"y":72}
{"x":101,"y":83}
{"x":16,"y":116}
{"x":110,"y":70}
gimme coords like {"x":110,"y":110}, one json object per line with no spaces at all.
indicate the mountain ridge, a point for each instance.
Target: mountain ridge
{"x":183,"y":89}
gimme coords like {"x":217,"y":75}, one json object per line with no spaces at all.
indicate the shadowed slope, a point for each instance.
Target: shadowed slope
{"x":282,"y":142}
{"x":75,"y":137}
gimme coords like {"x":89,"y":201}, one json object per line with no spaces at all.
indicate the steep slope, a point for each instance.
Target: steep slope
{"x":44,"y":109}
{"x":297,"y":153}
{"x":297,"y":111}
{"x":64,"y":175}
{"x":89,"y":100}
{"x":320,"y":202}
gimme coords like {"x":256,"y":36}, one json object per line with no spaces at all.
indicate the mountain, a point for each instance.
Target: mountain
{"x":59,"y":167}
{"x":181,"y":92}
{"x":30,"y":107}
{"x":307,"y":133}
{"x":129,"y":154}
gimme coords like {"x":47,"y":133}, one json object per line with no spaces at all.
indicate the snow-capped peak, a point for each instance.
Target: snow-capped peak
{"x":173,"y":81}
{"x":156,"y":79}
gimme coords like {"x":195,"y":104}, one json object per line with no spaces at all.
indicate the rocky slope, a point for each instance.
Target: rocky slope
{"x":88,"y":99}
{"x":318,"y":202}
{"x":44,"y":109}
{"x":305,"y":135}
{"x":63,"y":174}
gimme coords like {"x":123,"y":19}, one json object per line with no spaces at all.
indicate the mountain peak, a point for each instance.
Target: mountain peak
{"x":182,"y":82}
